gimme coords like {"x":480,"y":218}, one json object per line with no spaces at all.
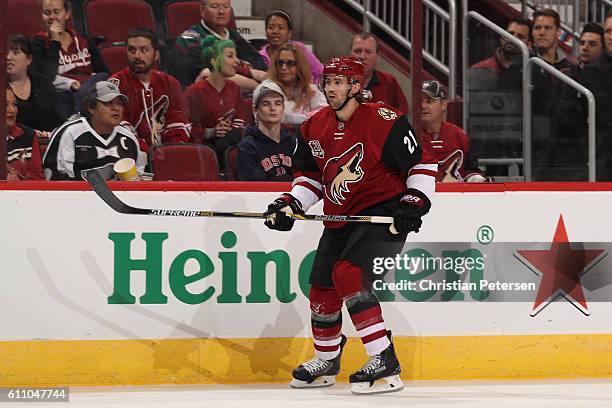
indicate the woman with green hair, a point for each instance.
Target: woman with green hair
{"x":246,"y":76}
{"x":214,"y":104}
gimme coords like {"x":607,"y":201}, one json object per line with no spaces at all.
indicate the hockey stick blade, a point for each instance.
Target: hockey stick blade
{"x":102,"y":190}
{"x":100,"y":187}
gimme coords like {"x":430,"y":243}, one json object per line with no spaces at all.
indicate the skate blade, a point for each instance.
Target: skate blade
{"x":323,"y":381}
{"x":392,"y":383}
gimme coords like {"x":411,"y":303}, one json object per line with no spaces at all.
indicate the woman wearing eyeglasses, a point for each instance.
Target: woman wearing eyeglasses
{"x":279,"y":30}
{"x":291,"y":71}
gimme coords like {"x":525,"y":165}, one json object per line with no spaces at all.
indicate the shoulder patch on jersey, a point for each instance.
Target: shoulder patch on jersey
{"x":124,"y":124}
{"x":316,"y":149}
{"x":190,"y":34}
{"x":449,"y":168}
{"x":387,"y":114}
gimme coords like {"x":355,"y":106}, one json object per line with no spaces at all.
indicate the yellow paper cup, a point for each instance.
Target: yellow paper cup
{"x":126,"y":169}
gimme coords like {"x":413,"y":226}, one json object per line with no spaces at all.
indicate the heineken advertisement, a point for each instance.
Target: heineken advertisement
{"x":484,"y":263}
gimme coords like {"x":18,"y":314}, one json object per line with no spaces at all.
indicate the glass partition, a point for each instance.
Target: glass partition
{"x":495,"y":101}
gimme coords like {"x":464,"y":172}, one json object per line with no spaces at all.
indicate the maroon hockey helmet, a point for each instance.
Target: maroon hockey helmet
{"x":349,"y":67}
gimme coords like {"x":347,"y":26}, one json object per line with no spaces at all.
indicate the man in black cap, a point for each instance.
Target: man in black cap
{"x":446,"y":142}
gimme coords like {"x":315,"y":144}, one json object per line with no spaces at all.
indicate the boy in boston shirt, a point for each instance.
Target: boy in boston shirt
{"x":266,"y":153}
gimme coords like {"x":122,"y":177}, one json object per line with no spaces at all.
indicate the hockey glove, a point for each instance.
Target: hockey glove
{"x":276,"y":215}
{"x":408,"y":217}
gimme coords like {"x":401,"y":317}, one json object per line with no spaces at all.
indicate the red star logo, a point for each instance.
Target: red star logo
{"x":561,"y":268}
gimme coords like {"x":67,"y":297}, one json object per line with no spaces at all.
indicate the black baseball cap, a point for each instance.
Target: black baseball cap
{"x":433,"y":89}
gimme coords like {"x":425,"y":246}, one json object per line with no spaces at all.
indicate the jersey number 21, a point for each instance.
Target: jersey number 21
{"x":410,"y":142}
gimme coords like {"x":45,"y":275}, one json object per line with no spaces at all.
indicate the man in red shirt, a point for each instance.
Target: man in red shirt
{"x":380,"y":86}
{"x":504,"y":69}
{"x":446,"y":142}
{"x":155,"y":110}
{"x":360,"y":159}
{"x":507,"y":53}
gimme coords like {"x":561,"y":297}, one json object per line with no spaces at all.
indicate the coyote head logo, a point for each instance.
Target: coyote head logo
{"x":449,"y":168}
{"x":153,"y":114}
{"x":343,"y":170}
{"x":157,"y":118}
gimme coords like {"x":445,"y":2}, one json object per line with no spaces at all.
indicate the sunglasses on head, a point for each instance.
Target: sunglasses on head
{"x":288,"y":63}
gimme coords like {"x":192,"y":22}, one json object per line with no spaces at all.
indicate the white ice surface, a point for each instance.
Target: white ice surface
{"x":460,"y":394}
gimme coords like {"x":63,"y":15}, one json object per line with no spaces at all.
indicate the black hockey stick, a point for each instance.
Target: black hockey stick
{"x":100,"y":187}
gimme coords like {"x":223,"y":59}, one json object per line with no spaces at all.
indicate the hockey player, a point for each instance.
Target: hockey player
{"x":156,"y":108}
{"x":361,"y":159}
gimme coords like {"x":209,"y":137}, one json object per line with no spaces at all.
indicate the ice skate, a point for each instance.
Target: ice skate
{"x":317,"y":372}
{"x":380,"y":374}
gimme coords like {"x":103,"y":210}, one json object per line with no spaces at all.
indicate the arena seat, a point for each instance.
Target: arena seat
{"x":183,"y":162}
{"x":25,"y":17}
{"x":231,"y":162}
{"x":115,"y":56}
{"x":180,"y":15}
{"x":113,"y":19}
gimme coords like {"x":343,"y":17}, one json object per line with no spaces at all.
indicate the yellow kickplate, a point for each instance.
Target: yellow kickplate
{"x":224,"y":361}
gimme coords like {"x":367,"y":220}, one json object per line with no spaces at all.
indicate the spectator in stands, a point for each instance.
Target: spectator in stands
{"x":266,"y":153}
{"x":546,"y":31}
{"x":23,"y":152}
{"x":37,"y":100}
{"x":553,"y":101}
{"x":94,"y":141}
{"x":70,"y":59}
{"x":573,"y":106}
{"x":597,"y":77}
{"x":279,"y":30}
{"x":446,"y":142}
{"x":380,"y":86}
{"x":156,"y":110}
{"x":506,"y":64}
{"x":186,"y":61}
{"x":290,"y":70}
{"x":215,"y":104}
{"x":592,"y":45}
